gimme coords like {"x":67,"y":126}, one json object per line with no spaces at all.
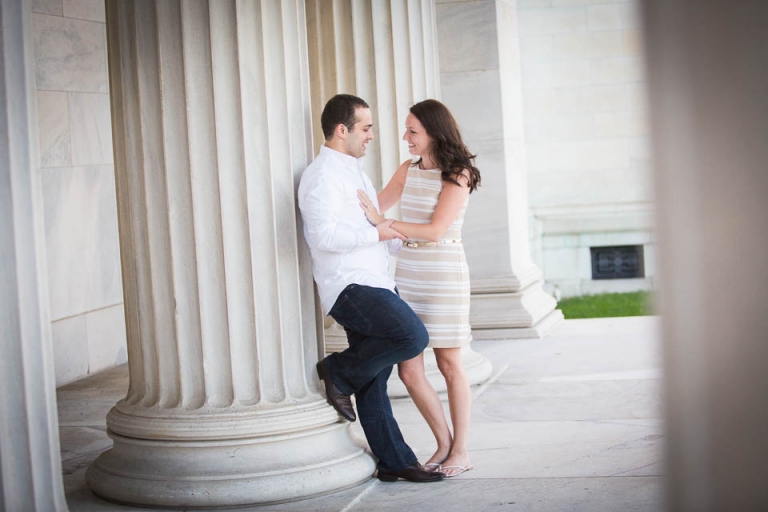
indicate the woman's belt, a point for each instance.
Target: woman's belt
{"x":408,"y":243}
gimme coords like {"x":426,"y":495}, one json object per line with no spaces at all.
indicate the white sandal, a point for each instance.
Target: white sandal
{"x":461,"y":469}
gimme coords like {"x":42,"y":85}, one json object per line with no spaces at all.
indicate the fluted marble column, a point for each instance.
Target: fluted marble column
{"x":384,"y":51}
{"x":30,"y":464}
{"x":211,"y":117}
{"x":481,"y":83}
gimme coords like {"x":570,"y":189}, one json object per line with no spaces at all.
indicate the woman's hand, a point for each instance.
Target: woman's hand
{"x":371,"y":213}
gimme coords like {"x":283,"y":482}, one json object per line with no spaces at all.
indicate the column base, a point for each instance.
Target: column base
{"x":541,"y":329}
{"x":513,"y":310}
{"x":335,"y":337}
{"x":260,"y":470}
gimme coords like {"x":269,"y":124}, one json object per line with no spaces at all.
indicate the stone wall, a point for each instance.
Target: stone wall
{"x":88,"y":326}
{"x":586,"y":139}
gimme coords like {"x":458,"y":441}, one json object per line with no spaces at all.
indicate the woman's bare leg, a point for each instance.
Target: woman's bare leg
{"x":460,"y":403}
{"x":412,"y":374}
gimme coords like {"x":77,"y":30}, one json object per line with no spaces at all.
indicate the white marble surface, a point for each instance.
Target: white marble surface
{"x":70,"y":349}
{"x":560,"y":127}
{"x":485,"y":225}
{"x":466,"y":41}
{"x":82,"y":240}
{"x":510,"y":58}
{"x":583,"y":101}
{"x":613,"y":16}
{"x":88,"y":343}
{"x":573,"y":187}
{"x":70,"y":54}
{"x":549,"y":20}
{"x":616,"y":70}
{"x":91,"y":128}
{"x":592,"y":287}
{"x":532,"y":4}
{"x":592,"y":44}
{"x":106,"y":338}
{"x":566,"y":263}
{"x":47,"y":7}
{"x":53,"y":129}
{"x":474,"y":98}
{"x":92,"y":10}
{"x":578,"y":155}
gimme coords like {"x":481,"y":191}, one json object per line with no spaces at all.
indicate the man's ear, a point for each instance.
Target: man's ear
{"x":340,"y":131}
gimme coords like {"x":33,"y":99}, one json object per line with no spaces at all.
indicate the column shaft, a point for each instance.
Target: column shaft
{"x":212,"y":131}
{"x":30,"y":464}
{"x":481,"y":83}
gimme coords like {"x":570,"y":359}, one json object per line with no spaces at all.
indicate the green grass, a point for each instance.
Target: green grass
{"x":608,"y":305}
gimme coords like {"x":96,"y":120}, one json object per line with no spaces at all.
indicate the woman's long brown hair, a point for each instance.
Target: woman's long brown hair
{"x":448,"y":150}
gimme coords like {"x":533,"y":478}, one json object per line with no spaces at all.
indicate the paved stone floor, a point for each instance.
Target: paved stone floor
{"x":571,"y":422}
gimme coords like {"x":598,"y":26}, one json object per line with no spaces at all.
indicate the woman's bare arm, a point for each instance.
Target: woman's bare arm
{"x":394,"y":189}
{"x":448,"y":206}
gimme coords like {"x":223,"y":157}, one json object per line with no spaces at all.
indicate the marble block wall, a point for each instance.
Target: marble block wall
{"x":589,"y":177}
{"x":75,"y":138}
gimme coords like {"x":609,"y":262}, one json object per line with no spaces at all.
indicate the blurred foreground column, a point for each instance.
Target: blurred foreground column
{"x":30,"y":464}
{"x":708,"y":77}
{"x":384,"y":51}
{"x":481,"y":84}
{"x":210,"y":105}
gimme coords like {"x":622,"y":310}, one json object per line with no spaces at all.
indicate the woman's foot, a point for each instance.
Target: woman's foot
{"x":456,"y":464}
{"x":437,"y":459}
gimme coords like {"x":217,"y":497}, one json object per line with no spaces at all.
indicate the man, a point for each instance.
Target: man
{"x":351,"y":269}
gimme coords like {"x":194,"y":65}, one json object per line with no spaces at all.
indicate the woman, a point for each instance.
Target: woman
{"x":432,"y":274}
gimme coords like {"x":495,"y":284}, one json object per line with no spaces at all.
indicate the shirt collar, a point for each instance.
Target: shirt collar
{"x":347,"y":160}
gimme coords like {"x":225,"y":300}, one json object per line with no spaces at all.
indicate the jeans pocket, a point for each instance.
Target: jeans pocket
{"x":349,"y":315}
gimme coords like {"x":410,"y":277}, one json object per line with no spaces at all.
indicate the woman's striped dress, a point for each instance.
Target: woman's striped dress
{"x":434,"y":279}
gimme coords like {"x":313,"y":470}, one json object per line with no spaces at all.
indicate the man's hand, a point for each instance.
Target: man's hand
{"x":386,"y":232}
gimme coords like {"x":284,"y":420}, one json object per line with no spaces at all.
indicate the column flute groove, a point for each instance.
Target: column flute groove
{"x":204,"y":171}
{"x":212,"y":130}
{"x":229,"y":137}
{"x":175,"y":141}
{"x":158,"y":241}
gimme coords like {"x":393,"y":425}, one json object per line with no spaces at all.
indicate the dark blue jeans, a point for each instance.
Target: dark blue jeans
{"x":382,"y":331}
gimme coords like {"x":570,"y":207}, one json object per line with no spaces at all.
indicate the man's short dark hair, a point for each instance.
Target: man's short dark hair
{"x":340,"y":110}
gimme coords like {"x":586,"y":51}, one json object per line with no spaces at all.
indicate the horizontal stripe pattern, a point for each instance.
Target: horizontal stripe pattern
{"x":434,"y":280}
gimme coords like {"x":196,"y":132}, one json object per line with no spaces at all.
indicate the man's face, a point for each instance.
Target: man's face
{"x":360,"y":134}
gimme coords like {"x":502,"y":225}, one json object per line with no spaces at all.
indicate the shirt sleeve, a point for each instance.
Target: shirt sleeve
{"x":322,"y":211}
{"x":394,"y":246}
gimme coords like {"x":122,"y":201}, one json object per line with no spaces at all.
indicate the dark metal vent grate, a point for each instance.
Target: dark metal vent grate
{"x":620,"y":262}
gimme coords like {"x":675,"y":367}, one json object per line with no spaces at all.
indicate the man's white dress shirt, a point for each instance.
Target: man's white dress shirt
{"x":345,"y":247}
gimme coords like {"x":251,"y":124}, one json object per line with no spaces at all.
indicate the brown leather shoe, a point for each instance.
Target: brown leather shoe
{"x":413,"y":473}
{"x":336,"y":398}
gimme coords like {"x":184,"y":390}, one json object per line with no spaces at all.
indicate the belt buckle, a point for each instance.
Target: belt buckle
{"x":408,"y":243}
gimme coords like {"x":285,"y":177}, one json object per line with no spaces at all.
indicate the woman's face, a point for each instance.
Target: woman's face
{"x":419,"y":143}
